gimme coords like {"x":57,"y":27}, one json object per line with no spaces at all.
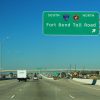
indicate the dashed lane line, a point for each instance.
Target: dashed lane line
{"x":71,"y":96}
{"x":13,"y":96}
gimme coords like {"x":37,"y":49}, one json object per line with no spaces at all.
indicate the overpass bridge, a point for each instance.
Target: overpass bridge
{"x":51,"y":70}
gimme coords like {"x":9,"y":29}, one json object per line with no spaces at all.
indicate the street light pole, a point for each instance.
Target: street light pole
{"x":75,"y":67}
{"x":70,"y":68}
{"x":1,"y":59}
{"x":1,"y":45}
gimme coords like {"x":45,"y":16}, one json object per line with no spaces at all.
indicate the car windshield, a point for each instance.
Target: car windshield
{"x":49,"y":50}
{"x":35,"y":75}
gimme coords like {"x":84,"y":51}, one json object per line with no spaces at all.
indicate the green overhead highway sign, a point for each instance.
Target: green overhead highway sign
{"x":55,"y":74}
{"x":70,"y":23}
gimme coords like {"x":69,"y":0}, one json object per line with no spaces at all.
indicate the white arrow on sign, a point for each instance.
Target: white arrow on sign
{"x":93,"y":30}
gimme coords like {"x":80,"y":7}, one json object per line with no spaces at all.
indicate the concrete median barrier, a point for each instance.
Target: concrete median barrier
{"x":98,"y":82}
{"x":46,"y":77}
{"x":7,"y":78}
{"x":86,"y":81}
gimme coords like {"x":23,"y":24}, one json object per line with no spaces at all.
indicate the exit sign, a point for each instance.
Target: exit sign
{"x":70,"y":23}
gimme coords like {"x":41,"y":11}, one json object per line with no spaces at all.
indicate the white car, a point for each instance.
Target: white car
{"x":35,"y":78}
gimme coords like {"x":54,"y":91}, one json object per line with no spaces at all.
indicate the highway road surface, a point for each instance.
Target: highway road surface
{"x":47,"y":89}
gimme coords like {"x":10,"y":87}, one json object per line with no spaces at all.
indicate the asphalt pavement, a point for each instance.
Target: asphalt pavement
{"x":46,"y":89}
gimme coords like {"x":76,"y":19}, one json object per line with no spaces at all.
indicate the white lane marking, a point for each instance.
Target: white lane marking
{"x":71,"y":96}
{"x":13,"y":96}
{"x":85,"y":86}
{"x":20,"y":89}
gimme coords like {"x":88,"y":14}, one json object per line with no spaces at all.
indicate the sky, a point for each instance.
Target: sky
{"x":24,"y":45}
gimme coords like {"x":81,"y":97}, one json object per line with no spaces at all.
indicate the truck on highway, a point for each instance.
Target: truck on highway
{"x":56,"y":75}
{"x":22,"y":75}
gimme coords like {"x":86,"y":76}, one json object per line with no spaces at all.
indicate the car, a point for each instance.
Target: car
{"x":35,"y":77}
{"x":28,"y":77}
{"x":40,"y":77}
